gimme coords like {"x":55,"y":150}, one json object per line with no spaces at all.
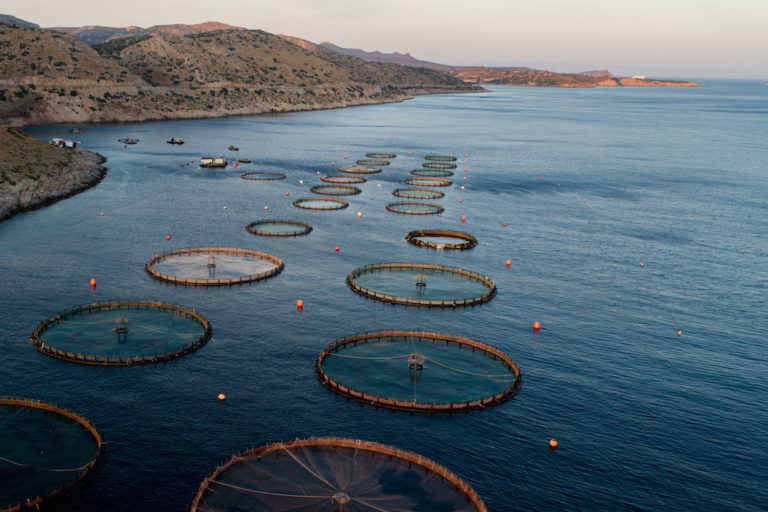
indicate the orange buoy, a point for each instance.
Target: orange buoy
{"x":466,"y":169}
{"x":336,"y":248}
{"x":101,"y":214}
{"x":466,"y":155}
{"x":553,"y":443}
{"x":167,"y":237}
{"x":299,"y":304}
{"x":332,"y":163}
{"x":509,"y":263}
{"x":287,"y":194}
{"x":359,"y":214}
{"x":399,"y":166}
{"x":224,"y":208}
{"x":536,"y":326}
{"x":409,"y":153}
{"x":462,"y":187}
{"x":504,"y":225}
{"x":353,"y":150}
{"x":642,"y":264}
{"x":679,"y":332}
{"x":301,"y":182}
{"x":266,"y":208}
{"x":93,"y":282}
{"x":379,"y":185}
{"x":460,"y":201}
{"x":222,"y":396}
{"x":345,"y":157}
{"x":463,"y":218}
{"x":371,"y":198}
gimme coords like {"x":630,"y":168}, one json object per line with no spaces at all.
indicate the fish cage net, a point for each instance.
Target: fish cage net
{"x":418,"y":193}
{"x":421,"y":284}
{"x":414,"y":208}
{"x":441,"y":239}
{"x":335,"y":190}
{"x":418,"y":371}
{"x":359,"y":169}
{"x":438,"y":165}
{"x":380,"y":155}
{"x":262,"y":176}
{"x":373,"y":162}
{"x":439,"y":173}
{"x":424,"y":181}
{"x":47,"y":453}
{"x":320,"y":203}
{"x":440,"y":158}
{"x":343,"y":179}
{"x":213,"y":266}
{"x":122,"y":333}
{"x":279,"y":228}
{"x":333,"y":475}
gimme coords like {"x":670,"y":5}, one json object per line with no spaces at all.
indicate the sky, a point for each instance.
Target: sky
{"x":662,"y":38}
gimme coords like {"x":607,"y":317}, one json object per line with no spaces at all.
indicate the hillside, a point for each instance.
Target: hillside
{"x":94,"y":35}
{"x":50,"y":77}
{"x":33,"y":173}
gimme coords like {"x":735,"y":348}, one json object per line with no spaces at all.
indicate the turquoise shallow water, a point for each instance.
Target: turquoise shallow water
{"x":590,"y":184}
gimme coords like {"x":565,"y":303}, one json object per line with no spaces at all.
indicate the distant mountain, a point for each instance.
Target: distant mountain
{"x":13,"y":20}
{"x":94,"y":35}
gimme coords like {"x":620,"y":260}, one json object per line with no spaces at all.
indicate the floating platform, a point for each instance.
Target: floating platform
{"x":213,"y":266}
{"x":279,"y":228}
{"x":329,"y":474}
{"x":122,"y":333}
{"x":48,"y":452}
{"x":418,"y":371}
{"x":441,"y":239}
{"x":421,"y":284}
{"x":414,"y":208}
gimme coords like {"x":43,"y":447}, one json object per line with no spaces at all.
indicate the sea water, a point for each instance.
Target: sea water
{"x":591,"y":183}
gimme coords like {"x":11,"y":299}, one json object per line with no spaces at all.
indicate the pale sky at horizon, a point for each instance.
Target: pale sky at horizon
{"x":684,"y":38}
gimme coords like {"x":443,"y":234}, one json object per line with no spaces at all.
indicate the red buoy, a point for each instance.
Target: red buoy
{"x":553,"y":443}
{"x":536,"y":326}
{"x":93,"y":282}
{"x":299,"y":304}
{"x":167,"y":237}
{"x":222,"y":396}
{"x":336,"y":248}
{"x":509,"y":263}
{"x":504,"y":225}
{"x":463,"y":218}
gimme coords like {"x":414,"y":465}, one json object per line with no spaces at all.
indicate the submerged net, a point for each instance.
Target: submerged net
{"x":441,"y":239}
{"x":279,"y":228}
{"x":320,"y":203}
{"x":417,"y":284}
{"x":343,"y":179}
{"x":45,"y":451}
{"x":213,"y":266}
{"x":377,"y":163}
{"x":414,"y":208}
{"x":438,"y":165}
{"x":418,"y":371}
{"x":359,"y":169}
{"x":440,"y":158}
{"x":417,"y":193}
{"x":380,"y":155}
{"x":263,"y":176}
{"x":335,"y":190}
{"x":440,"y":173}
{"x":423,"y":181}
{"x":122,"y":333}
{"x":333,"y":475}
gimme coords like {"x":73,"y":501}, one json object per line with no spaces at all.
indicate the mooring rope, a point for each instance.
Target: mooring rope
{"x":363,"y":357}
{"x":319,"y":477}
{"x":256,"y":491}
{"x":57,"y":470}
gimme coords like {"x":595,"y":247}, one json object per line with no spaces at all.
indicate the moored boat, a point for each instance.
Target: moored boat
{"x":213,"y":162}
{"x":175,"y":141}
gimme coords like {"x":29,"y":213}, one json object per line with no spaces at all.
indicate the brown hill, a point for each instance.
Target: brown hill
{"x":94,"y":35}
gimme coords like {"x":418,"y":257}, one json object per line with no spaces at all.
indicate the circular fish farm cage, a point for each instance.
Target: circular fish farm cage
{"x":438,"y":165}
{"x":374,"y":162}
{"x":329,"y":474}
{"x":335,"y":190}
{"x":421,"y":284}
{"x":122,"y":333}
{"x":423,"y":181}
{"x":440,"y":158}
{"x":213,"y":266}
{"x":418,"y":371}
{"x":414,"y":208}
{"x":441,"y":239}
{"x":440,"y":173}
{"x":47,"y":453}
{"x":279,"y":228}
{"x":359,"y":169}
{"x":418,"y":193}
{"x":343,"y":179}
{"x":320,"y":203}
{"x":263,"y":176}
{"x":381,"y":155}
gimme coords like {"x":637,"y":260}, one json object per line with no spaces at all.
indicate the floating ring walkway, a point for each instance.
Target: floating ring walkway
{"x":213,"y":266}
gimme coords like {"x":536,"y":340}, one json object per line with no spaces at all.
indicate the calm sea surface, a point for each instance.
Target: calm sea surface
{"x":590,"y":183}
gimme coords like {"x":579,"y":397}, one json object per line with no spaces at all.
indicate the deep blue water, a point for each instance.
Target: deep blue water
{"x":590,"y":184}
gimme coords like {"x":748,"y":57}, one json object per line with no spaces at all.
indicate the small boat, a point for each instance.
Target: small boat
{"x":128,"y":141}
{"x":233,"y":148}
{"x":244,"y":160}
{"x":213,"y":162}
{"x":76,"y":130}
{"x":175,"y":141}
